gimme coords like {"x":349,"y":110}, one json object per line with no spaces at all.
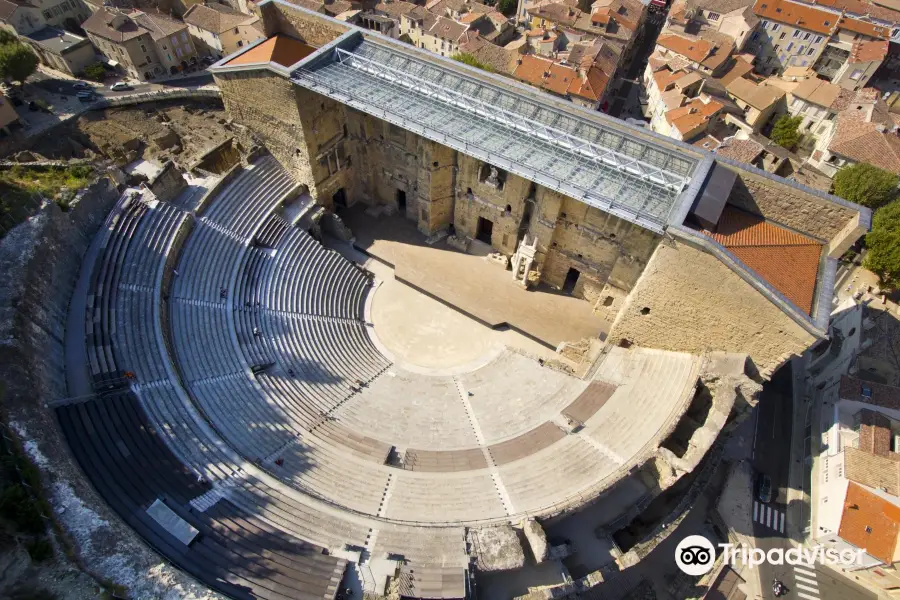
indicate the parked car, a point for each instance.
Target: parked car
{"x":80,"y":85}
{"x":85,"y":96}
{"x":764,"y":488}
{"x":121,"y":86}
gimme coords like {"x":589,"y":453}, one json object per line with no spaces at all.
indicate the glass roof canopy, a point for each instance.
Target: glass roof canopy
{"x":610,"y":169}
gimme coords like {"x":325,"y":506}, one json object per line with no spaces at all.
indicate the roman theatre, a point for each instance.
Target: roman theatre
{"x":436,"y":328}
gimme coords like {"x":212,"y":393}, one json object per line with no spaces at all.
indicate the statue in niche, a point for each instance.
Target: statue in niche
{"x":494,"y":177}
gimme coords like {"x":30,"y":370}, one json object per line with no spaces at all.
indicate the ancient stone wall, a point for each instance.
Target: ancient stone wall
{"x":168,"y":183}
{"x":278,"y":18}
{"x":789,"y":206}
{"x":688,"y":301}
{"x":436,"y":184}
{"x":267,"y":104}
{"x":41,"y":259}
{"x":493,"y":195}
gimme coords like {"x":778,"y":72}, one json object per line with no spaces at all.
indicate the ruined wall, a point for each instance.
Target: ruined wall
{"x":310,"y":143}
{"x":436,"y":184}
{"x":168,"y":183}
{"x":688,"y":301}
{"x":789,"y":206}
{"x":609,"y":253}
{"x":297,"y":24}
{"x":501,"y":202}
{"x":267,"y":104}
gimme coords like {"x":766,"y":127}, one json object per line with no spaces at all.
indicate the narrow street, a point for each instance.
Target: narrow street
{"x":772,"y":456}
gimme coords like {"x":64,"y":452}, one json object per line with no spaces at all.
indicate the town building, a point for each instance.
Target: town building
{"x":733,"y":18}
{"x":789,"y":34}
{"x":816,"y":101}
{"x":702,"y":55}
{"x":858,"y":478}
{"x":758,"y":101}
{"x":219,"y":30}
{"x":145,"y":45}
{"x":864,"y":131}
{"x":28,"y":16}
{"x":61,"y":50}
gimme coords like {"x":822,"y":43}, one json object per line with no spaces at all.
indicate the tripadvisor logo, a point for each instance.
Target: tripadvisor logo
{"x":696,"y":555}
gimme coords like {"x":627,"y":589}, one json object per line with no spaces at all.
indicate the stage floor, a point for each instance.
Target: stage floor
{"x":471,"y":284}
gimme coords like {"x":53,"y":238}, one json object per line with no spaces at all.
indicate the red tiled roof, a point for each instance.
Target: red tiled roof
{"x":879,"y":394}
{"x":279,"y":49}
{"x":864,"y":27}
{"x":798,"y":15}
{"x":789,"y":261}
{"x":871,"y":523}
{"x":696,"y":50}
{"x":869,"y":51}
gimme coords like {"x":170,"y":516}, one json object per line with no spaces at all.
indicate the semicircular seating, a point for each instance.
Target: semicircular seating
{"x":252,"y":375}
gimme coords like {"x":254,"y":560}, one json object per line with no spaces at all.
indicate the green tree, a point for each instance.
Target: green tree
{"x":94,"y":72}
{"x":7,"y":37}
{"x":883,"y":243}
{"x":785,"y":133}
{"x":17,"y":62}
{"x":507,"y":7}
{"x":865,"y":184}
{"x":466,"y":58}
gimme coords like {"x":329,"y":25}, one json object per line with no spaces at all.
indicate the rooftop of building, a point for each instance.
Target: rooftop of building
{"x":759,"y":96}
{"x":56,"y":40}
{"x":121,"y":25}
{"x":817,"y":91}
{"x":870,"y":392}
{"x":217,"y":18}
{"x":798,"y":15}
{"x":692,"y":115}
{"x":695,"y":50}
{"x":280,"y":49}
{"x":786,"y":259}
{"x":870,"y":522}
{"x":868,"y":134}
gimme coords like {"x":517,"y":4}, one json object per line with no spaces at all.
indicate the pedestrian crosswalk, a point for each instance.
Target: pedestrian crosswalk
{"x":805,"y":585}
{"x":768,"y":516}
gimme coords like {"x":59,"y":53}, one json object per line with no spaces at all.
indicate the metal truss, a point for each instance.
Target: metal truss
{"x":635,"y":180}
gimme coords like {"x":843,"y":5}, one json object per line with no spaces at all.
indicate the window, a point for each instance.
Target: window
{"x":810,"y":51}
{"x":789,"y":46}
{"x":818,"y":39}
{"x":174,"y":39}
{"x":775,"y":27}
{"x":803,"y":64}
{"x":712,"y":16}
{"x":149,"y":60}
{"x":240,"y":44}
{"x":856,"y":74}
{"x":178,"y":52}
{"x":807,"y":36}
{"x":47,"y":14}
{"x":800,"y":51}
{"x":143,"y":48}
{"x":236,"y":30}
{"x":783,"y":34}
{"x":775,"y":49}
{"x":796,"y":33}
{"x":57,"y":11}
{"x":184,"y":36}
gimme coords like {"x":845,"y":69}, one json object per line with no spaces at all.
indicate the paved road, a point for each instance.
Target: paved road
{"x":67,"y":87}
{"x":772,"y":455}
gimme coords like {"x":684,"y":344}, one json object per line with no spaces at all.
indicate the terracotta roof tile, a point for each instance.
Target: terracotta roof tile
{"x":738,"y":69}
{"x":864,"y":27}
{"x":798,"y":15}
{"x":693,"y":115}
{"x":869,"y":392}
{"x":789,"y":261}
{"x":216,"y":18}
{"x":870,"y":522}
{"x":743,"y":150}
{"x":869,"y":51}
{"x":695,"y":50}
{"x":279,"y":49}
{"x":863,"y":141}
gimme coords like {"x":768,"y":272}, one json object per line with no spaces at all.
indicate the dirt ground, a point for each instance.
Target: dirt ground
{"x":179,"y":130}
